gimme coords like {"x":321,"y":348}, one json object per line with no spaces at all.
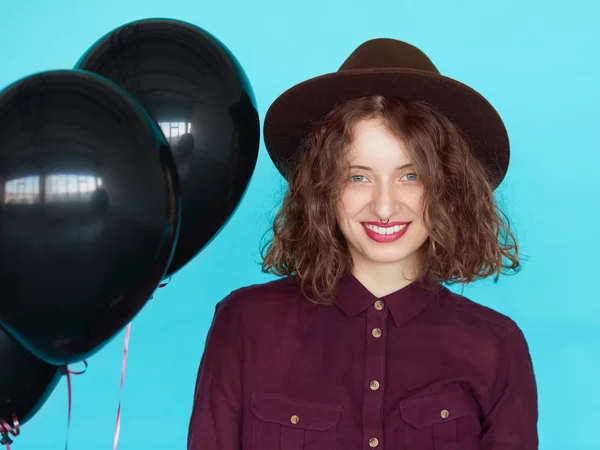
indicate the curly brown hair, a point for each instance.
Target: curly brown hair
{"x":469,"y":235}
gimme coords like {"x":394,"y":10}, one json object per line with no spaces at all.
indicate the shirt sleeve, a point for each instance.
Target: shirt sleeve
{"x":216,"y":422}
{"x":511,"y":424}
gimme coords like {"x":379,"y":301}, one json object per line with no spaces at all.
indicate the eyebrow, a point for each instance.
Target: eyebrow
{"x":405,"y":166}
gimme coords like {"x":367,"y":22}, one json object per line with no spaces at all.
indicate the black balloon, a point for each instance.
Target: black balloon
{"x":198,"y":93}
{"x":89,"y":212}
{"x":26,"y":382}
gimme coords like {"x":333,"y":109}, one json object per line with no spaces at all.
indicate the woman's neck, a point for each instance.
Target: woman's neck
{"x":382,"y":279}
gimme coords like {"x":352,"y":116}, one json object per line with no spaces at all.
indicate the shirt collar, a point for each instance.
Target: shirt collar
{"x":404,"y":304}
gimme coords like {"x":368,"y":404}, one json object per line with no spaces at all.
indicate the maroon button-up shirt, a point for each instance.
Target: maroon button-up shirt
{"x":414,"y":370}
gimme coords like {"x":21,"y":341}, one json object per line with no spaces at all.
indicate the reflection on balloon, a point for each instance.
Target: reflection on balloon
{"x":200,"y":96}
{"x":88,"y":212}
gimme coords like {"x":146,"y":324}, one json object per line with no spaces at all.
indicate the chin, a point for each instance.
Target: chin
{"x":385,"y":259}
{"x":387,"y":256}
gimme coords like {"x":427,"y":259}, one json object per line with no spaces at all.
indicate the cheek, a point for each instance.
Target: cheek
{"x":415,"y":201}
{"x":349,"y":205}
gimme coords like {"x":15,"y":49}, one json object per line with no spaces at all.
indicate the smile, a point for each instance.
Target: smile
{"x":388,"y":233}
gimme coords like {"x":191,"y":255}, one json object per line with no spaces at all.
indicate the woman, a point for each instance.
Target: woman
{"x":391,"y":169}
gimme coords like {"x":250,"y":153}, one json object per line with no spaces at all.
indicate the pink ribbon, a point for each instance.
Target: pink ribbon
{"x":68,"y":373}
{"x":6,"y":429}
{"x":125,"y":351}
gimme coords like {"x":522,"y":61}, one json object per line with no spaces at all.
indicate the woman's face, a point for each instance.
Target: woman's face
{"x":382,"y":185}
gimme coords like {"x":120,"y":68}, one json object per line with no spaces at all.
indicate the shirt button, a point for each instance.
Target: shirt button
{"x":444,"y":414}
{"x":373,"y":442}
{"x":376,"y":332}
{"x":379,"y":305}
{"x":294,"y":419}
{"x":374,"y":385}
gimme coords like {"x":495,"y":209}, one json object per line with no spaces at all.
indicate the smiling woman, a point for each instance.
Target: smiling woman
{"x":381,"y":201}
{"x":391,"y":170}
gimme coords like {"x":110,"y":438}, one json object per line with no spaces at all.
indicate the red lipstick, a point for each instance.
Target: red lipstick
{"x":385,"y":238}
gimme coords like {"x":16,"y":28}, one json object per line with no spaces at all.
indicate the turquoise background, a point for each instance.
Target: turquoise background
{"x":537,"y":63}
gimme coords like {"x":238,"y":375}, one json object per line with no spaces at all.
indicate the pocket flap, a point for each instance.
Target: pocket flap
{"x":427,"y":411}
{"x":294,"y":412}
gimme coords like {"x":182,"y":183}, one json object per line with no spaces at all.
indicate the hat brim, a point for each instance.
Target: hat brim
{"x":290,"y":116}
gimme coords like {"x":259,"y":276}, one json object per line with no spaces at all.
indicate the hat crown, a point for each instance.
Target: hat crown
{"x":385,"y":53}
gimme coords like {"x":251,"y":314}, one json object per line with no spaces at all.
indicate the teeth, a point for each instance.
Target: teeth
{"x":384,"y":231}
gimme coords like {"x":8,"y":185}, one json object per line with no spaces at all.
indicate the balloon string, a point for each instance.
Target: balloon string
{"x":123,"y":366}
{"x":68,"y":373}
{"x":125,"y":351}
{"x":6,"y":429}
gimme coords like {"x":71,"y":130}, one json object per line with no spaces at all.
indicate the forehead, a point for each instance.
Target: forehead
{"x":373,"y":143}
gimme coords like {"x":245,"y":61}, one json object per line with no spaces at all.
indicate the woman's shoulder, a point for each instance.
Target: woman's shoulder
{"x":467,"y":309}
{"x":262,"y":295}
{"x":276,"y":287}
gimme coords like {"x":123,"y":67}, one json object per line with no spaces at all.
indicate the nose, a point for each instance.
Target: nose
{"x":384,"y":200}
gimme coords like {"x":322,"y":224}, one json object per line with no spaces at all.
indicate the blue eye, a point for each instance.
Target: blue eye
{"x":414,"y":175}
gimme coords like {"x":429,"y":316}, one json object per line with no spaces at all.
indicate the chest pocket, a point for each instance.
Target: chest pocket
{"x":283,"y":423}
{"x":441,"y":422}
